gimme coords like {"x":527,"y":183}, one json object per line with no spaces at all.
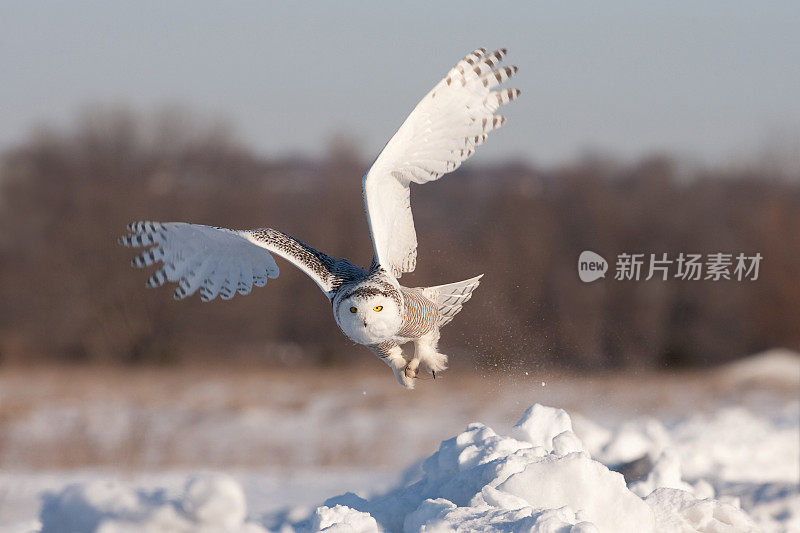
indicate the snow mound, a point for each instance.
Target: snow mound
{"x":679,"y":512}
{"x":778,"y":366}
{"x":342,"y":519}
{"x":209,"y":504}
{"x":539,"y":480}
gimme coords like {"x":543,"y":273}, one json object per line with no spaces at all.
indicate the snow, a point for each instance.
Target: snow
{"x":544,"y":482}
{"x":676,"y":510}
{"x":342,"y":519}
{"x":724,"y":466}
{"x":209,"y":503}
{"x":540,"y":480}
{"x":778,"y":366}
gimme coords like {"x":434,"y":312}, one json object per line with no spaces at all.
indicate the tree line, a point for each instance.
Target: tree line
{"x":69,"y":294}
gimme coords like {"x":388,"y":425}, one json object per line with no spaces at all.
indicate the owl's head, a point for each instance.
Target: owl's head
{"x":368,"y":315}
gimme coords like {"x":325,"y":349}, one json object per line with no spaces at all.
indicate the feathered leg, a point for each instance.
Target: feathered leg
{"x":392,"y":354}
{"x":425,"y":353}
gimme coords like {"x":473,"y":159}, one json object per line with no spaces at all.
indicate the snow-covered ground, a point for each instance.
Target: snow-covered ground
{"x":217,"y":451}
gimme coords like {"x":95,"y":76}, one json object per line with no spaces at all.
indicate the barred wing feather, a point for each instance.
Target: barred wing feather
{"x":222,"y":262}
{"x":439,"y":134}
{"x":451,"y":297}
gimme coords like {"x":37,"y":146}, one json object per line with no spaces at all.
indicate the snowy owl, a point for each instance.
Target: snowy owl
{"x":369,"y":305}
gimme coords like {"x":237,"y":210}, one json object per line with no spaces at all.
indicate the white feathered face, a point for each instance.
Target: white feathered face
{"x":368,"y":318}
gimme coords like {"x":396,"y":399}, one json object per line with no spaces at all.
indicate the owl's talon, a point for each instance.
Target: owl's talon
{"x":404,"y":380}
{"x":411,"y":368}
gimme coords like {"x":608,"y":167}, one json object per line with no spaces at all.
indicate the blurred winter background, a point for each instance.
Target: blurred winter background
{"x":641,"y":128}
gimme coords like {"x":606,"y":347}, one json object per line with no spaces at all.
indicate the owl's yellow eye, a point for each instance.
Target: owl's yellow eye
{"x":353,"y":309}
{"x":378,"y":308}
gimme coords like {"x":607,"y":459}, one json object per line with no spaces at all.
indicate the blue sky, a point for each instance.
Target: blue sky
{"x":707,"y":80}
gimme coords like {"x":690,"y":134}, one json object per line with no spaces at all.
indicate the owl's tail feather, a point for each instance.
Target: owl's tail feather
{"x":449,"y":298}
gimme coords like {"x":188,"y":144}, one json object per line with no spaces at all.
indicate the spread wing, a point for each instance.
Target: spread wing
{"x":220,"y":261}
{"x":441,"y":132}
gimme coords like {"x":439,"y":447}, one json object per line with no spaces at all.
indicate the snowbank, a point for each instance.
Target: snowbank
{"x":539,"y":479}
{"x":777,"y":367}
{"x":209,"y":504}
{"x":542,"y":480}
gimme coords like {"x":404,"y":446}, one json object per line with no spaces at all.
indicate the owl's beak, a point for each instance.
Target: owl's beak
{"x":365,"y":323}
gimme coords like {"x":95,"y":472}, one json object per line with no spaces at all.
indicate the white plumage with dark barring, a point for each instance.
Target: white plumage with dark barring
{"x":369,"y":304}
